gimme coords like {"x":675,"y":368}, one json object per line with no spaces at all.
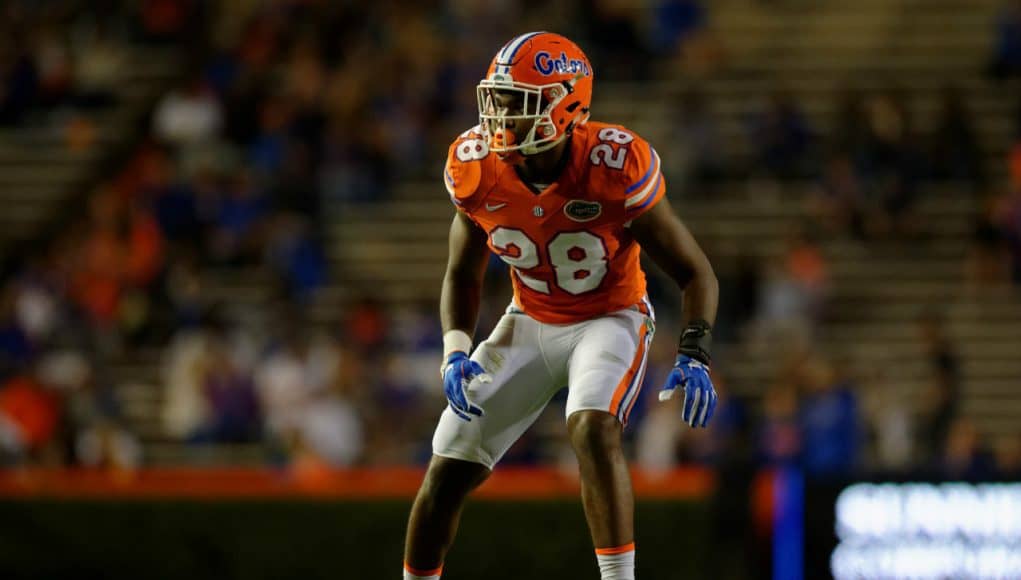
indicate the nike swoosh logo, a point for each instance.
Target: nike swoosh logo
{"x":494,"y":206}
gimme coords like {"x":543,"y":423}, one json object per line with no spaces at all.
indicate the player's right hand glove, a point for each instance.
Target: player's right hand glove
{"x":458,"y":372}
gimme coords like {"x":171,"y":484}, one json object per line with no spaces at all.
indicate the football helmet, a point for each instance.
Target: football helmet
{"x":549,"y":80}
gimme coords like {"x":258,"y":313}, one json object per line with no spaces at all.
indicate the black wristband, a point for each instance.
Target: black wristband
{"x":697,"y":341}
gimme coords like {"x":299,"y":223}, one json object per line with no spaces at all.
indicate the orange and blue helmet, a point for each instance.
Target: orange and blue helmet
{"x":553,"y":79}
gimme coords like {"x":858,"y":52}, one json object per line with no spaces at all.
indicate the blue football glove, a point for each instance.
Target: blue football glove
{"x":458,"y":372}
{"x":699,"y":394}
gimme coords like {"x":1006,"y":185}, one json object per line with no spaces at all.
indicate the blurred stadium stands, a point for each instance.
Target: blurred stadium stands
{"x":224,"y":232}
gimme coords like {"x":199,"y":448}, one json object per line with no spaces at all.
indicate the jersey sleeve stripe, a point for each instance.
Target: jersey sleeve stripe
{"x":657,"y":193}
{"x":449,"y":178}
{"x":652,"y":167}
{"x":649,"y":190}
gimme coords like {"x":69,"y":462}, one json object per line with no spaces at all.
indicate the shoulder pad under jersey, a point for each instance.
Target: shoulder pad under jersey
{"x":628,"y":168}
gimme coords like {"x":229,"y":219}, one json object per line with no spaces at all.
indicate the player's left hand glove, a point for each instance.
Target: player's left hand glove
{"x":699,"y":394}
{"x":691,"y":371}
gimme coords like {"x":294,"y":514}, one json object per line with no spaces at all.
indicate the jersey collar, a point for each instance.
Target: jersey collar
{"x":558,"y":171}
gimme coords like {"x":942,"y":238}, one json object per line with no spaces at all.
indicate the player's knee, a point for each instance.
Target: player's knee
{"x":451,"y":479}
{"x":593,"y":431}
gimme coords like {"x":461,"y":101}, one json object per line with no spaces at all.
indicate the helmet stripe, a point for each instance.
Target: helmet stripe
{"x":499,"y":55}
{"x":511,"y":49}
{"x":508,"y":50}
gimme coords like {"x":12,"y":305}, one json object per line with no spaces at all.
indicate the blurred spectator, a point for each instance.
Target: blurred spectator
{"x":889,"y":161}
{"x":190,"y":115}
{"x":779,"y":438}
{"x":626,"y":57}
{"x":54,"y":66}
{"x":418,"y":329}
{"x":680,"y":31}
{"x":98,"y":61}
{"x":266,"y":152}
{"x":1007,"y":214}
{"x":284,"y":385}
{"x":232,"y":401}
{"x":296,"y":257}
{"x":740,"y":291}
{"x":987,"y":263}
{"x":890,"y":417}
{"x":1005,"y":60}
{"x":167,"y":20}
{"x":149,"y":175}
{"x":332,"y":431}
{"x":92,"y":415}
{"x":964,"y":456}
{"x":185,"y":409}
{"x":793,"y":297}
{"x":657,"y":430}
{"x":954,"y":151}
{"x":38,"y":305}
{"x":781,"y":138}
{"x":850,"y":135}
{"x":659,"y":434}
{"x":1007,"y":455}
{"x":298,"y":387}
{"x":840,"y":201}
{"x":185,"y":290}
{"x":99,"y":276}
{"x":237,"y":211}
{"x":783,"y":313}
{"x":696,"y":151}
{"x":122,"y":253}
{"x":367,"y":325}
{"x":108,"y":446}
{"x":29,"y":418}
{"x":16,"y":345}
{"x":809,"y":268}
{"x":400,"y":403}
{"x":19,"y":81}
{"x":829,"y":418}
{"x":724,"y":444}
{"x":295,"y":370}
{"x":941,"y":404}
{"x":870,"y":180}
{"x":676,"y":22}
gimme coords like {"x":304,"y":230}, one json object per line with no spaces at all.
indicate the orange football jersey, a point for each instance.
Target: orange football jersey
{"x":568,"y":245}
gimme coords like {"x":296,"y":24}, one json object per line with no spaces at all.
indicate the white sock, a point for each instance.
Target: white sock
{"x":617,"y":563}
{"x":413,"y":574}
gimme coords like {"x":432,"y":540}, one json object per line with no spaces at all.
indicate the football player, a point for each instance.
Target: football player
{"x":569,"y":204}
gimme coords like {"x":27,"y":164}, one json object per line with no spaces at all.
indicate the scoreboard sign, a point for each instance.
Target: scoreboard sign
{"x":917,"y":530}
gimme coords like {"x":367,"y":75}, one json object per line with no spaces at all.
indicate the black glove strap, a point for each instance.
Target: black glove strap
{"x":697,"y":341}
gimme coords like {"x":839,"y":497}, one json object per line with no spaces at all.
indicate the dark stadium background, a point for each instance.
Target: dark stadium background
{"x":222,"y":232}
